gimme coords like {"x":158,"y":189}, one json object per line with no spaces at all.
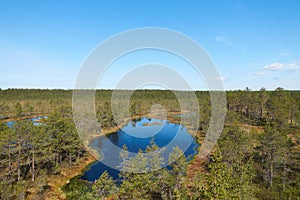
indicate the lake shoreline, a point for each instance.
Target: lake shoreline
{"x":111,"y":130}
{"x":56,"y":182}
{"x":107,"y":131}
{"x":170,"y":118}
{"x":21,"y":118}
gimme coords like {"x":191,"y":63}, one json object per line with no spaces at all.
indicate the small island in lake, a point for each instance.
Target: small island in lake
{"x":153,"y":123}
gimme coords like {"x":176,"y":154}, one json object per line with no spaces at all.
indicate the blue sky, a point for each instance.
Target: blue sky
{"x":253,"y":43}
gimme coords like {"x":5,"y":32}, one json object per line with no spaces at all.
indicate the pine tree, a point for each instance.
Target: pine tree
{"x":19,"y":111}
{"x":237,"y":152}
{"x":219,"y":184}
{"x":275,"y":159}
{"x":278,"y":106}
{"x":7,"y":149}
{"x":21,"y":131}
{"x":178,"y":164}
{"x":137,"y":182}
{"x":155,"y":157}
{"x":155,"y":163}
{"x":263,"y":97}
{"x":104,"y":186}
{"x":124,"y":168}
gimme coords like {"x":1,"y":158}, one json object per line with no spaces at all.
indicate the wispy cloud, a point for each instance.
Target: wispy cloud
{"x":284,"y":53}
{"x":293,"y":67}
{"x":261,"y":73}
{"x":224,"y":38}
{"x":274,"y":67}
{"x":290,"y":67}
{"x":219,"y":78}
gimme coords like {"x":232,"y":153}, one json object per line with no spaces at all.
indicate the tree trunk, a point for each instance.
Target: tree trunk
{"x":261,"y":114}
{"x":70,"y":159}
{"x":271,"y":171}
{"x":9,"y":161}
{"x":19,"y":160}
{"x":33,"y":164}
{"x":247,"y":112}
{"x":292,"y":113}
{"x":284,"y":173}
{"x":60,"y":158}
{"x":271,"y":176}
{"x":78,"y":154}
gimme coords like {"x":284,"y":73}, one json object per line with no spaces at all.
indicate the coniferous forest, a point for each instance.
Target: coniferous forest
{"x":256,"y":157}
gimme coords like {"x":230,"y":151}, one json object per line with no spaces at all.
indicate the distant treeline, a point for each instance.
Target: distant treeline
{"x":255,"y":107}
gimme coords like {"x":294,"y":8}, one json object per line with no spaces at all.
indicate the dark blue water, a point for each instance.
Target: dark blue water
{"x":34,"y":119}
{"x":136,"y":136}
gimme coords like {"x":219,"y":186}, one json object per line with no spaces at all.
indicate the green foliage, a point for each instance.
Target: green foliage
{"x":12,"y":191}
{"x":219,"y":184}
{"x":136,"y":180}
{"x":78,"y":190}
{"x":19,"y":110}
{"x":104,"y":187}
{"x":253,"y":165}
{"x":155,"y":156}
{"x":30,"y":153}
{"x":276,"y":169}
{"x":237,"y":152}
{"x":145,"y":178}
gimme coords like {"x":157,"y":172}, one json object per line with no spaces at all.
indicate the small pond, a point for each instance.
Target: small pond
{"x":35,"y":121}
{"x":137,"y":135}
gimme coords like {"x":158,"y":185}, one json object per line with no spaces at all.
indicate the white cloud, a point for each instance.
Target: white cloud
{"x":291,"y":67}
{"x":284,"y":53}
{"x":224,"y":39}
{"x":261,"y":73}
{"x":221,"y":38}
{"x":274,"y":66}
{"x":219,"y":78}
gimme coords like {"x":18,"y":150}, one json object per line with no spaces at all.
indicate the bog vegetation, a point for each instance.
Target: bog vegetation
{"x":257,"y":156}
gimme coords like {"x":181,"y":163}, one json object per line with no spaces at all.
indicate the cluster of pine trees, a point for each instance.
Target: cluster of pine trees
{"x":238,"y":168}
{"x":30,"y":153}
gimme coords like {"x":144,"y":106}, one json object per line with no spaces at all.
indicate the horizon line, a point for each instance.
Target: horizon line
{"x":152,"y":89}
